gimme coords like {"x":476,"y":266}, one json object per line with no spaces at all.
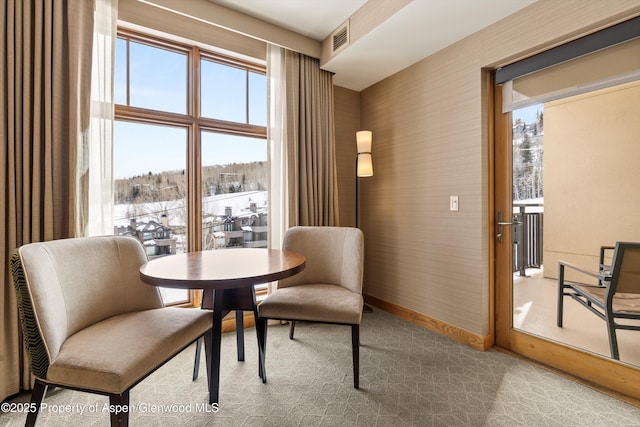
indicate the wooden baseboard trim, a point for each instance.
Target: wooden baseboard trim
{"x":600,"y":388}
{"x":463,"y":336}
{"x":599,"y":370}
{"x":479,"y":342}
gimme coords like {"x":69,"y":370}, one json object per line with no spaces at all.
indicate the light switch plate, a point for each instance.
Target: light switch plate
{"x":453,"y":203}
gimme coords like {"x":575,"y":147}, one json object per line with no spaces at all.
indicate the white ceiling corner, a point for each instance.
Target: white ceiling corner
{"x":315,"y":19}
{"x":416,"y":31}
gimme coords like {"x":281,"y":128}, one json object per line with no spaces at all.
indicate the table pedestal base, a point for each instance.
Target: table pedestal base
{"x":222,"y":301}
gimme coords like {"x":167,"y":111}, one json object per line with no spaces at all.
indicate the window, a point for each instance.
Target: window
{"x":190,"y":149}
{"x":151,"y":77}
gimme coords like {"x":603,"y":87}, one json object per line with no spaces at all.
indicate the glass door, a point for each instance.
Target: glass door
{"x":566,"y":163}
{"x":563,"y":171}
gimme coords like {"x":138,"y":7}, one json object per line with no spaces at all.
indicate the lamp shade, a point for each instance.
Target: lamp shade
{"x":363,"y":141}
{"x":365,"y":162}
{"x":365,"y":165}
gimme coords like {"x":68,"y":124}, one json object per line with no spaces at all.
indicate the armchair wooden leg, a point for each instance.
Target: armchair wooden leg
{"x":262,"y":324}
{"x":292,"y":328}
{"x":119,"y":417}
{"x":207,"y":337}
{"x":196,"y":362}
{"x":240,"y":334}
{"x":355,"y":344}
{"x":39,"y":390}
{"x":259,"y":335}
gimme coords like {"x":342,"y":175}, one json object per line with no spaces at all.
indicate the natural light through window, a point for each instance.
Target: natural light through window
{"x":185,"y":181}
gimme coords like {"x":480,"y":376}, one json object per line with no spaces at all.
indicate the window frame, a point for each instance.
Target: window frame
{"x":192,"y":121}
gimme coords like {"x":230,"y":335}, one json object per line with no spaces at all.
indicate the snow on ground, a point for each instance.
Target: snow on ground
{"x":175,"y":209}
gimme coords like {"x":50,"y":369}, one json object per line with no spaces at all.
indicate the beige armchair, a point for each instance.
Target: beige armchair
{"x":328,"y":290}
{"x":90,"y":323}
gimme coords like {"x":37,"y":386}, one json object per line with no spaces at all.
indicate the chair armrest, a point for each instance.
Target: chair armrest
{"x":580,"y":269}
{"x":605,"y":269}
{"x":603,"y":250}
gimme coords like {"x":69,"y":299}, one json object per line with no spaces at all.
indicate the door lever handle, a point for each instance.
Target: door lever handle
{"x":500,"y":223}
{"x":509,"y":223}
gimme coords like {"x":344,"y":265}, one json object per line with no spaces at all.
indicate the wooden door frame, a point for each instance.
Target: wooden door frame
{"x":614,"y":377}
{"x":501,"y":162}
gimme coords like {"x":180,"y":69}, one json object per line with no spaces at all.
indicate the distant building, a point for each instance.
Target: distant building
{"x":245,"y":230}
{"x":156,"y":238}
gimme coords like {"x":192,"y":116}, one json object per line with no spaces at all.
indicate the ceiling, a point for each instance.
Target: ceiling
{"x":295,"y":15}
{"x":416,"y":31}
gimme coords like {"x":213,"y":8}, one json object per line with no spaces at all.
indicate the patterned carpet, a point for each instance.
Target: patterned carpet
{"x":409,"y":377}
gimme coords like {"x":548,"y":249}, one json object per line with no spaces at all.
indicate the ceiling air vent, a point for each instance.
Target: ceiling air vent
{"x":340,"y":38}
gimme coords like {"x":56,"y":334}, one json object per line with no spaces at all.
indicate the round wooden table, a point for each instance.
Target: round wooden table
{"x":227,"y":277}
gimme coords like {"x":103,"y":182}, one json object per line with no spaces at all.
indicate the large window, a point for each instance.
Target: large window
{"x":190,"y":151}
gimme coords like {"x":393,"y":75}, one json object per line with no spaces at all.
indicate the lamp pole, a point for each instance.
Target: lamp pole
{"x":357,"y":194}
{"x":364,"y":168}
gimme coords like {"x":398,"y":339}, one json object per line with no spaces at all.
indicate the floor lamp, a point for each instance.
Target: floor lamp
{"x":364,"y":168}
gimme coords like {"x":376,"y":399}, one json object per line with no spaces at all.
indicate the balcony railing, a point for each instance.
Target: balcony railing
{"x":527,"y":236}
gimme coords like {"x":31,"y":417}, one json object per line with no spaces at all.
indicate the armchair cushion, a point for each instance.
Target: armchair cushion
{"x":112,"y":355}
{"x":314,"y":302}
{"x":629,"y":303}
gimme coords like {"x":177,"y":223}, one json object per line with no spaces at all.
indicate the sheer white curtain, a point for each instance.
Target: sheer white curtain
{"x":96,"y":159}
{"x":279,"y":216}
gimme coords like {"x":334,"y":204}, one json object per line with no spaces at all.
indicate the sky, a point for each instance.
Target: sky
{"x":527,"y":114}
{"x":143,"y":148}
{"x":158,"y":81}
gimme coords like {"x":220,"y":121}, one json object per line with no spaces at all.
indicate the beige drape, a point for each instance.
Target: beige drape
{"x":301,"y":134}
{"x":310,"y":137}
{"x":45,"y":80}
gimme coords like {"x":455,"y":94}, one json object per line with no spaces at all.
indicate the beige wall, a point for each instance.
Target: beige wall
{"x":592,"y":171}
{"x":150,"y":17}
{"x":430,"y":128}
